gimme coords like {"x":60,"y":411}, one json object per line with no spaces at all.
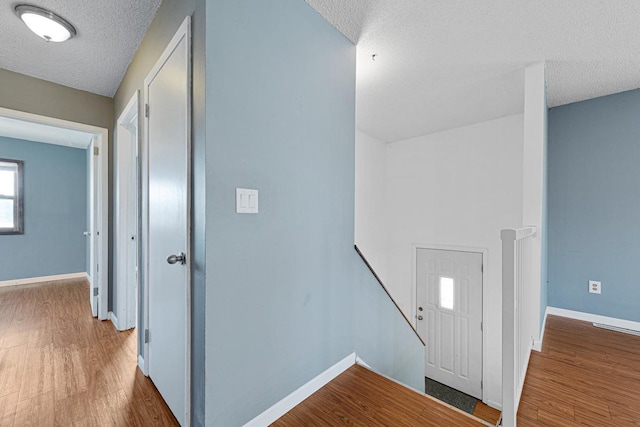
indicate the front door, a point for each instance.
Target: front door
{"x":449,"y":317}
{"x":167,"y":94}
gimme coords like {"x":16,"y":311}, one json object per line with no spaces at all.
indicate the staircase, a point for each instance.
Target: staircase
{"x":361,"y":397}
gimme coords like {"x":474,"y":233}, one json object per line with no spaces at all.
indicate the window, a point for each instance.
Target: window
{"x":446,"y":293}
{"x":11,"y":212}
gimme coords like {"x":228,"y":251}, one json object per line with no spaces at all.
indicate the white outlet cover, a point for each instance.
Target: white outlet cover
{"x":595,"y":287}
{"x":246,"y":201}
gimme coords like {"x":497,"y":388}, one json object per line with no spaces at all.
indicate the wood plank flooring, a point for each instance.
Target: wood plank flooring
{"x":61,"y":367}
{"x":359,"y":397}
{"x":487,"y":413}
{"x":584,"y":376}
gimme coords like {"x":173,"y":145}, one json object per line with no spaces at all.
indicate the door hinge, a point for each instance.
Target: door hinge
{"x":95,"y":292}
{"x":481,"y":326}
{"x":481,"y":268}
{"x":146,"y":110}
{"x":146,"y":336}
{"x":481,"y":385}
{"x":97,"y":268}
{"x":96,"y":150}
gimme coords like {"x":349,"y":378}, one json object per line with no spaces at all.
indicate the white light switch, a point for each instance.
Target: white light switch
{"x":246,"y":200}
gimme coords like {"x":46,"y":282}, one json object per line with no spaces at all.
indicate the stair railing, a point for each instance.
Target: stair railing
{"x":518,"y":319}
{"x":387,"y":292}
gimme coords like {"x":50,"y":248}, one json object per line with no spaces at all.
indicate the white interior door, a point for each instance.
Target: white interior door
{"x":90,"y":233}
{"x":97,"y":294}
{"x":133,"y":276}
{"x":126,"y":267}
{"x":449,"y":313}
{"x":167,"y":94}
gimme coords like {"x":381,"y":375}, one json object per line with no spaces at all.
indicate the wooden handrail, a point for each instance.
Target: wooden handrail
{"x":388,"y":294}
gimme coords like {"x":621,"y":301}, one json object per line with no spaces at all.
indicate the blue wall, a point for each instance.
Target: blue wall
{"x":55,"y":200}
{"x":287,"y":296}
{"x":594,"y":205}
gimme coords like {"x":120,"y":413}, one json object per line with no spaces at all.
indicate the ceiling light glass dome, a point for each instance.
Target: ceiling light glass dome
{"x":45,"y":24}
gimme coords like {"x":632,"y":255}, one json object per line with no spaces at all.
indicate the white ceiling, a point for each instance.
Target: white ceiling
{"x":439,"y":64}
{"x":109,"y":33}
{"x":442,"y":64}
{"x":20,"y":129}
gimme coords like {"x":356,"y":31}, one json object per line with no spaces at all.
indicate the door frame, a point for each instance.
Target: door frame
{"x":126,"y":317}
{"x":101,"y":199}
{"x":485,"y":267}
{"x":184,"y":31}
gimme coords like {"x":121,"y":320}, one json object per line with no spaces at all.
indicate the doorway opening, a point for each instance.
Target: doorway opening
{"x":448,"y":313}
{"x":127,"y":218}
{"x":95,"y":140}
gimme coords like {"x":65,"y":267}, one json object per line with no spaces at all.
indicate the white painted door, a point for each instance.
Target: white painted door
{"x":449,"y":317}
{"x":127,"y":219}
{"x":168,"y":97}
{"x":133,"y":227}
{"x":92,"y":165}
{"x":97,"y":298}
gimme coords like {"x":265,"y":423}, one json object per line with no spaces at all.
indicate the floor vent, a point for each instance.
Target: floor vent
{"x":617,"y":329}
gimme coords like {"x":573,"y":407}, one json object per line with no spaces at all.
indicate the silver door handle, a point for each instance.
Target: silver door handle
{"x":420,"y":317}
{"x":181,"y":258}
{"x":87,"y":233}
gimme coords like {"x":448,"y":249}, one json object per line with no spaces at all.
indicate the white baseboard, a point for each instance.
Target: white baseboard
{"x":537,"y":344}
{"x":114,"y":320}
{"x":31,"y":280}
{"x":141,"y":364}
{"x":288,"y":403}
{"x":362,"y":363}
{"x":594,"y":318}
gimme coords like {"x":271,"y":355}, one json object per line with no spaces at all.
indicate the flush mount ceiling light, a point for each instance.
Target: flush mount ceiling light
{"x":45,"y":24}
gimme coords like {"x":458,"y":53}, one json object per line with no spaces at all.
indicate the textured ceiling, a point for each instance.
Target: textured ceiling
{"x":109,"y":33}
{"x":442,"y":64}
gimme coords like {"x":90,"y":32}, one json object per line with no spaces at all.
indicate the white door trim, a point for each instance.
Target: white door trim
{"x":485,"y":302}
{"x":102,"y":141}
{"x":184,"y":32}
{"x":126,"y":296}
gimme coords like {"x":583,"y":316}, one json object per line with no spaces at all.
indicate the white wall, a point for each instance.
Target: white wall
{"x":370,"y":225}
{"x":533,"y":189}
{"x":457,"y":188}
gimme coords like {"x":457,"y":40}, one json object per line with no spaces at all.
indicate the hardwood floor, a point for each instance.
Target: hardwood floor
{"x":61,"y":367}
{"x":583,"y":376}
{"x":487,"y":413}
{"x":359,"y":397}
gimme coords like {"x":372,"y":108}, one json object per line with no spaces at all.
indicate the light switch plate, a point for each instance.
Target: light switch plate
{"x":246,"y":200}
{"x":595,"y":287}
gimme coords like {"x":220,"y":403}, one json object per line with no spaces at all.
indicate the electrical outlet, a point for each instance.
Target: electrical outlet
{"x":595,"y":287}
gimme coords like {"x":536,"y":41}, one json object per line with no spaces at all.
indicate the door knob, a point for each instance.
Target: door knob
{"x":87,"y":233}
{"x":180,"y":258}
{"x":420,"y":317}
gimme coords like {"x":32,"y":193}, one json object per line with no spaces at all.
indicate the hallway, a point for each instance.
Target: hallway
{"x":60,"y":366}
